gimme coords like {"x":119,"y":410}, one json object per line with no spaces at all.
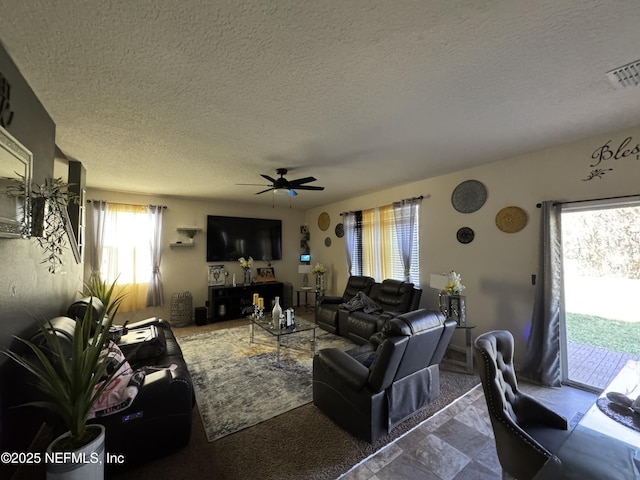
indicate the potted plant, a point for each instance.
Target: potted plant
{"x":71,"y":381}
{"x":47,"y":208}
{"x":49,"y":202}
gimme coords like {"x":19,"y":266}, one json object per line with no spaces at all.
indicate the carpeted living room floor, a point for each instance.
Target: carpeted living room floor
{"x":300,"y":444}
{"x":451,"y":439}
{"x":448,"y":440}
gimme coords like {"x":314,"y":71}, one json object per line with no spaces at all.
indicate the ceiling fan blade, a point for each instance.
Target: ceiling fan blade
{"x":300,"y":181}
{"x":272,"y":180}
{"x":254,"y":184}
{"x":265,"y":191}
{"x":309,"y":187}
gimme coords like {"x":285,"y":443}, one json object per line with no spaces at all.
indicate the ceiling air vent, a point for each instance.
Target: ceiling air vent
{"x":625,"y":76}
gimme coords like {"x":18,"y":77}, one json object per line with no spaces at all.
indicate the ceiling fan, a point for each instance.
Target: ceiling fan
{"x":283,"y":186}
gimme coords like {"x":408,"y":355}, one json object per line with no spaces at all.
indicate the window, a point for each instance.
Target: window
{"x":377,"y":240}
{"x":126,"y":254}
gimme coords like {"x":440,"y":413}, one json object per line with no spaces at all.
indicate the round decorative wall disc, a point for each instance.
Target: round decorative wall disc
{"x":340,"y":230}
{"x":465,"y":235}
{"x":327,"y":242}
{"x":511,"y":219}
{"x":323,"y":221}
{"x":469,"y":196}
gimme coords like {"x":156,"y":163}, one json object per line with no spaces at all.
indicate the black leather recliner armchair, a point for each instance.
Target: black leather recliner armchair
{"x":371,"y":389}
{"x":162,"y":409}
{"x":526,"y":432}
{"x":327,"y":308}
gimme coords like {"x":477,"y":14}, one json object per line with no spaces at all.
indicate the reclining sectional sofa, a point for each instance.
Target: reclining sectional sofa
{"x":162,"y":408}
{"x":357,"y":322}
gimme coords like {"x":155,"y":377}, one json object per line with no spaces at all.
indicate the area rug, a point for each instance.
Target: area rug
{"x":239,"y":384}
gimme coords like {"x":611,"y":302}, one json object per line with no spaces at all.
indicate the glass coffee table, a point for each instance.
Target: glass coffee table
{"x":300,"y":326}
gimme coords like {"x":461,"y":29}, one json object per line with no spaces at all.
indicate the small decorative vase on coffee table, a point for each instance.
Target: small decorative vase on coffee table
{"x":276,"y":313}
{"x":246,"y":276}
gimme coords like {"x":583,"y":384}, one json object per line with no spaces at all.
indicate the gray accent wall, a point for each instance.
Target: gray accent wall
{"x":27,"y":289}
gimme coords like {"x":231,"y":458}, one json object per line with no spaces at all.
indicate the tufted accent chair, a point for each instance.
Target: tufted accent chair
{"x":526,"y":432}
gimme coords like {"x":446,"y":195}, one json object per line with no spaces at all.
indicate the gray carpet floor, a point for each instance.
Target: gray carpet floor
{"x":300,"y":444}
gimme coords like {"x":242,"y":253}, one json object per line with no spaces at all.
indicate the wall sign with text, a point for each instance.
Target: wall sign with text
{"x":6,"y":114}
{"x":607,"y":156}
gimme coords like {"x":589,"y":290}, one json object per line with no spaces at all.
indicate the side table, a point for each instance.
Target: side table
{"x":306,"y":291}
{"x":468,"y":364}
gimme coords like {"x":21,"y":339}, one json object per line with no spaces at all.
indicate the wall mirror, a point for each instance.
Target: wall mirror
{"x":15,"y":185}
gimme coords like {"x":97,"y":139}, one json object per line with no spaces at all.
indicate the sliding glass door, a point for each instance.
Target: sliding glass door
{"x":601,"y":266}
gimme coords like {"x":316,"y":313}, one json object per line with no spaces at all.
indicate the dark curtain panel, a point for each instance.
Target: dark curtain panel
{"x":542,"y":361}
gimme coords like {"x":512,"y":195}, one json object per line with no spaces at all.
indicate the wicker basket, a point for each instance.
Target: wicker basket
{"x":181,"y":309}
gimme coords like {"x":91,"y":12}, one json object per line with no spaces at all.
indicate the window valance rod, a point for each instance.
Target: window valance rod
{"x":539,"y":205}
{"x":164,"y":207}
{"x":404,"y":199}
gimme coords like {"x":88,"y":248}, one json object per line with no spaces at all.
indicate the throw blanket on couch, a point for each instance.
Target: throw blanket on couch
{"x":362,"y":302}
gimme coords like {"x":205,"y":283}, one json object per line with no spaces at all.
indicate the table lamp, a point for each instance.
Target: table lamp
{"x":439,"y":281}
{"x":305,"y":270}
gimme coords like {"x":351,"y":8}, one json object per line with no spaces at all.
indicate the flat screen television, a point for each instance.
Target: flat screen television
{"x":229,"y":238}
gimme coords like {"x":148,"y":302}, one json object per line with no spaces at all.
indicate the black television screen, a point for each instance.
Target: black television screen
{"x":229,"y":238}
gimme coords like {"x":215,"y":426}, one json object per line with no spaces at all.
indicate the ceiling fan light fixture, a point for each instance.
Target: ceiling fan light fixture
{"x":281,"y":191}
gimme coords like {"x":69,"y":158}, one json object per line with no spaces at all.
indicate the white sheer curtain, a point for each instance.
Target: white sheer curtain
{"x":542,"y":361}
{"x":155,"y":295}
{"x":126,"y":257}
{"x":98,"y":215}
{"x":349,"y":222}
{"x":405,"y":213}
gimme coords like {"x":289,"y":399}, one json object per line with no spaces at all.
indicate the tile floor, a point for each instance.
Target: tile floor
{"x":457,"y":443}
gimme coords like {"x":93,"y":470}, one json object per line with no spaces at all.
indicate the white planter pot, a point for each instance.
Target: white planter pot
{"x":86,"y":463}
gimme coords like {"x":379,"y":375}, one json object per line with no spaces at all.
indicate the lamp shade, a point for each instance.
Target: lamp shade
{"x":304,"y":269}
{"x":438,"y":280}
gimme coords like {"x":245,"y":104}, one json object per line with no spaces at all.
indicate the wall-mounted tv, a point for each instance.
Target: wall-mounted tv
{"x":229,"y":238}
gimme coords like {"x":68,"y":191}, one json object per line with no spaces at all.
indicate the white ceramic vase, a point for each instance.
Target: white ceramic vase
{"x":276,"y":313}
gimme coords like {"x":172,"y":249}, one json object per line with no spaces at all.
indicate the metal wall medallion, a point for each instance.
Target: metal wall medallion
{"x":340,"y":230}
{"x":465,"y":235}
{"x":469,"y":196}
{"x":327,"y":242}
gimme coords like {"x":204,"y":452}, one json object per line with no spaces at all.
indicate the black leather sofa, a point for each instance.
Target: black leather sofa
{"x":394,"y":297}
{"x":327,"y":307}
{"x":162,"y":409}
{"x":372,"y":388}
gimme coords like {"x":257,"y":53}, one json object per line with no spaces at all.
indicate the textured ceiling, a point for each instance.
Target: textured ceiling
{"x":192,"y":97}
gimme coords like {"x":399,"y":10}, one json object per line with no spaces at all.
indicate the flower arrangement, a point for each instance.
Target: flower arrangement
{"x":246,"y":264}
{"x":318,"y":269}
{"x":454,"y":287}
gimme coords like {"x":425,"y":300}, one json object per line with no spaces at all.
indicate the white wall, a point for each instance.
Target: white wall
{"x":185,"y":269}
{"x":496,"y":267}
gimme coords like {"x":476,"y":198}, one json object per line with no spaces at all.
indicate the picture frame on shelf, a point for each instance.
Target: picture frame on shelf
{"x":265,"y":274}
{"x":217,"y":275}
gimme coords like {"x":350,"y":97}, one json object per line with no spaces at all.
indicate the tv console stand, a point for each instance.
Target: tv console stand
{"x":228,"y":302}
